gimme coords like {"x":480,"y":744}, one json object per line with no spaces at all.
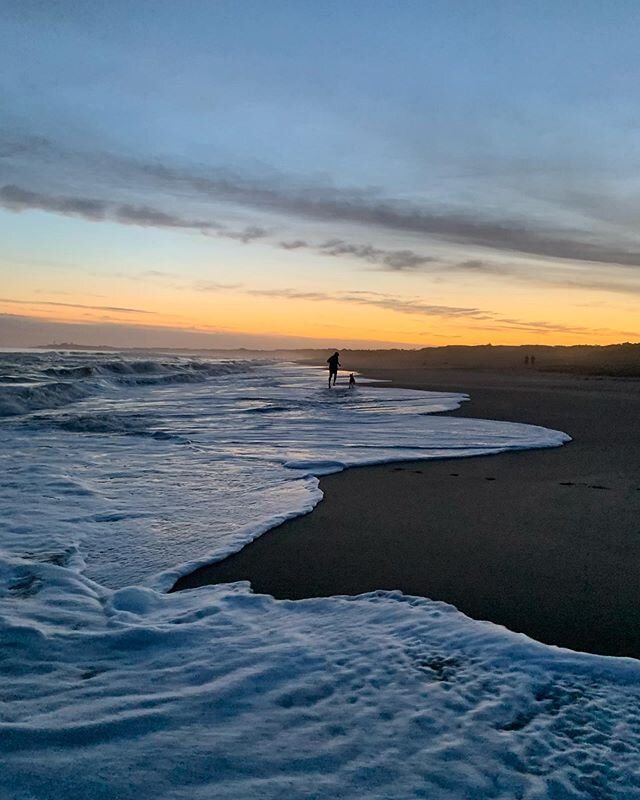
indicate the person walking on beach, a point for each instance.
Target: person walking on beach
{"x":333,"y":362}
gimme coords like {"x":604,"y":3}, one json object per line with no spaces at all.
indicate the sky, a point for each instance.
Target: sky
{"x":262,"y":173}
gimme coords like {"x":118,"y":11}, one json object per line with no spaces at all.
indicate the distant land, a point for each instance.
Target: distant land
{"x":615,"y":360}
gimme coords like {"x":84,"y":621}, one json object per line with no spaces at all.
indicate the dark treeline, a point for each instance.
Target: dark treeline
{"x":618,"y":360}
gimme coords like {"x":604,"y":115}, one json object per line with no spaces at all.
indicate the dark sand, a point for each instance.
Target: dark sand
{"x":546,"y":542}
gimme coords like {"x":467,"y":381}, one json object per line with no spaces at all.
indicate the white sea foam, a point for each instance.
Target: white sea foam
{"x":115,"y":689}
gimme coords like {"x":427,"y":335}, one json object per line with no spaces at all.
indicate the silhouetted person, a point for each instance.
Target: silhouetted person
{"x":334,"y":363}
{"x":533,"y":360}
{"x":352,"y":381}
{"x":526,"y":360}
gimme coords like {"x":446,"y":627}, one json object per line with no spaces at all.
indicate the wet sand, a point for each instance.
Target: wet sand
{"x":545,"y":542}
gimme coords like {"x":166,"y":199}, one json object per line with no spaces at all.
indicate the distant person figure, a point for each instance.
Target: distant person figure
{"x":334,"y":363}
{"x":352,"y":381}
{"x":533,"y":360}
{"x":526,"y":360}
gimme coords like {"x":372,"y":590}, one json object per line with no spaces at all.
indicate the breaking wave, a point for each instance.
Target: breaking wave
{"x":79,"y":376}
{"x":18,"y":399}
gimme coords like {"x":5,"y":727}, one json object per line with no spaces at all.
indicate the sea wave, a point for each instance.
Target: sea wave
{"x":16,"y":399}
{"x":129,"y":424}
{"x":26,"y":387}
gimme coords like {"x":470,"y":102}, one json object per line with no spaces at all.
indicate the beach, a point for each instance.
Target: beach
{"x":545,"y":542}
{"x":124,"y":473}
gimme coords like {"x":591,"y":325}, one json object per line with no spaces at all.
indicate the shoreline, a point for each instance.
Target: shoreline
{"x":545,"y":542}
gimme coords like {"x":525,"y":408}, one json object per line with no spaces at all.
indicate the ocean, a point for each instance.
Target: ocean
{"x":122,"y":473}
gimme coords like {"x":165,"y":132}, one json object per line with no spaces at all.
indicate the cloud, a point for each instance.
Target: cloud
{"x":395,"y":260}
{"x":603,"y":285}
{"x":152,"y":218}
{"x":378,"y":300}
{"x":300,"y":199}
{"x":480,"y":267}
{"x":249,"y":234}
{"x":18,"y":199}
{"x":159,"y":273}
{"x":490,"y":321}
{"x":12,"y":147}
{"x":409,"y":261}
{"x":550,"y":328}
{"x":119,"y":309}
{"x":291,"y":294}
{"x":14,"y":198}
{"x":213,"y":286}
{"x":320,"y":203}
{"x":554,"y":276}
{"x":368,"y":208}
{"x":297,"y":244}
{"x":415,"y":307}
